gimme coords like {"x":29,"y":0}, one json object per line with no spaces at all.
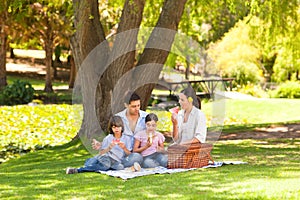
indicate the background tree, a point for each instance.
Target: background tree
{"x":275,"y":25}
{"x":8,"y":9}
{"x":3,"y":38}
{"x":236,"y":56}
{"x":50,"y":21}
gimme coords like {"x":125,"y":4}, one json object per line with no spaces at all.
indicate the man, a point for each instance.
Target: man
{"x":134,"y":121}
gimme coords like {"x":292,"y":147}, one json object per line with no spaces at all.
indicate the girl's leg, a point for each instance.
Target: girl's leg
{"x":129,"y":160}
{"x":150,"y":162}
{"x":155,"y":160}
{"x":162,"y":159}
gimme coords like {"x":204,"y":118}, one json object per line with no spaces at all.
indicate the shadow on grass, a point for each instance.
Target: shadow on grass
{"x":41,"y":175}
{"x":250,"y":127}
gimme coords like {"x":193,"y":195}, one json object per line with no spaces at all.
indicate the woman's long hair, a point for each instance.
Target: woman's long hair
{"x":190,"y":92}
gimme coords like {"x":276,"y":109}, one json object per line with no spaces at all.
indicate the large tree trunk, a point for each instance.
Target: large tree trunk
{"x":162,"y":39}
{"x":89,"y":33}
{"x":103,"y":84}
{"x":3,"y":40}
{"x":121,"y":60}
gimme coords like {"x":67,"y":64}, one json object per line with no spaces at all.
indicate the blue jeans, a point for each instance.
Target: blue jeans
{"x":154,"y":160}
{"x":102,"y":163}
{"x":105,"y":163}
{"x":132,"y":158}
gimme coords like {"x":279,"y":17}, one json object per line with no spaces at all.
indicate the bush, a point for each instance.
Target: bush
{"x":253,"y":90}
{"x":290,"y":89}
{"x":20,"y":92}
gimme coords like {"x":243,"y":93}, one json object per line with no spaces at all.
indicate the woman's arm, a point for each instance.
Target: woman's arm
{"x":175,"y":126}
{"x":201,"y":129}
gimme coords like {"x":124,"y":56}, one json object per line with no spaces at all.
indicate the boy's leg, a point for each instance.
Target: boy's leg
{"x":95,"y":164}
{"x":117,"y":166}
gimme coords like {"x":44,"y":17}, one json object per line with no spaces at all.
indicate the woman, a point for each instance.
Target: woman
{"x":150,"y":144}
{"x":189,"y":125}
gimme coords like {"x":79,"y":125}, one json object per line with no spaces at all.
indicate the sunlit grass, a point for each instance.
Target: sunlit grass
{"x":37,"y":83}
{"x":271,"y":173}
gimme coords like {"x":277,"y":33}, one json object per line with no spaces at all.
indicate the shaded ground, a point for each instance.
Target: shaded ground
{"x":35,"y":68}
{"x":276,"y":131}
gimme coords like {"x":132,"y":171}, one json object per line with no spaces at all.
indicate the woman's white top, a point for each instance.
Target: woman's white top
{"x":195,"y":126}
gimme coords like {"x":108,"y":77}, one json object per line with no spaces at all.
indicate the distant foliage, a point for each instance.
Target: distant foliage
{"x":236,"y":56}
{"x":289,"y":89}
{"x":28,"y":128}
{"x":20,"y":92}
{"x":253,"y":90}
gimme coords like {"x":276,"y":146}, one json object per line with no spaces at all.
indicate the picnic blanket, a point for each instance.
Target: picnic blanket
{"x":128,"y":173}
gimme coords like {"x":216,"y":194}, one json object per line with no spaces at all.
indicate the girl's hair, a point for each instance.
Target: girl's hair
{"x":115,"y":121}
{"x":190,"y":92}
{"x":151,"y":117}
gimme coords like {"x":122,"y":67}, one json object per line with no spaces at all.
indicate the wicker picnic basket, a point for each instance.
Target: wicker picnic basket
{"x":195,"y":155}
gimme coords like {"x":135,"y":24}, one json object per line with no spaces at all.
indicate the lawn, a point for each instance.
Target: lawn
{"x":272,"y":172}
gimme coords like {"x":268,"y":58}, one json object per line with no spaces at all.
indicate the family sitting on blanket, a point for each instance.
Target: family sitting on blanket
{"x":188,"y":126}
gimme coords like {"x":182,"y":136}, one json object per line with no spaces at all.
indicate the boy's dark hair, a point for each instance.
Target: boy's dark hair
{"x":150,"y":117}
{"x":115,"y":121}
{"x":131,"y":96}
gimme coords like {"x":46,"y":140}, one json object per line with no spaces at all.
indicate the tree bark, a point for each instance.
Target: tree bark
{"x":121,"y":60}
{"x":89,"y":33}
{"x":3,"y":40}
{"x":48,"y":36}
{"x":162,"y":40}
{"x":115,"y":63}
{"x":72,"y":72}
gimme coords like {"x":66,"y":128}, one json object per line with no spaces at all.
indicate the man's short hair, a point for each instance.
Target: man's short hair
{"x":131,"y":96}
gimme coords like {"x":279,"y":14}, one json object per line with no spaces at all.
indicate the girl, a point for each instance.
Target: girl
{"x":114,"y":148}
{"x":150,"y":144}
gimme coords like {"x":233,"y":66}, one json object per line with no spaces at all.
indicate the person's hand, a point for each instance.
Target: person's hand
{"x":112,"y":144}
{"x":96,"y":144}
{"x":174,"y":118}
{"x":149,"y":143}
{"x":122,"y":145}
{"x":160,"y":149}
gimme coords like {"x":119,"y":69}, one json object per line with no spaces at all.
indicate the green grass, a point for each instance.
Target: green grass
{"x":261,"y":111}
{"x":37,"y":83}
{"x":272,"y":172}
{"x":60,"y":95}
